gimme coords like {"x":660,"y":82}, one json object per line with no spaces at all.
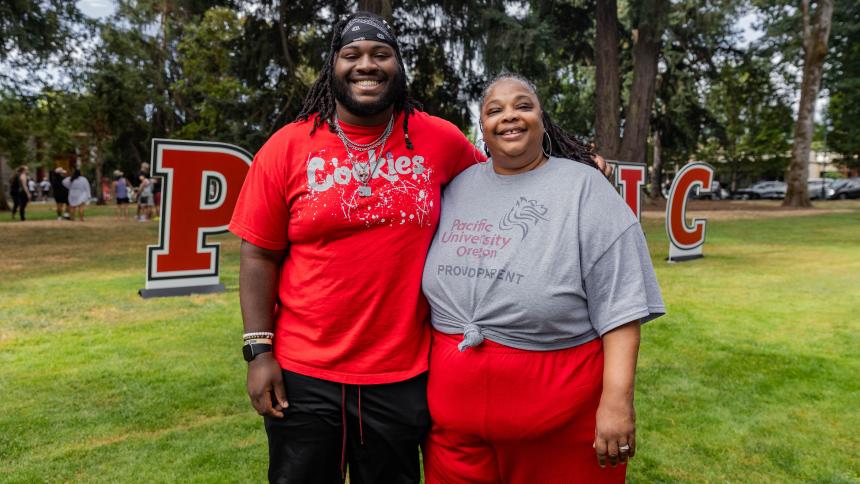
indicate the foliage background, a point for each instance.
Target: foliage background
{"x":236,"y":71}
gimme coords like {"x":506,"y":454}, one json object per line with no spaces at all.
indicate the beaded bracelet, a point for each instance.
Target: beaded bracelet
{"x":258,"y":334}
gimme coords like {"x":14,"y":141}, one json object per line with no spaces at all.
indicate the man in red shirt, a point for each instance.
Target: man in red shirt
{"x":336,"y":216}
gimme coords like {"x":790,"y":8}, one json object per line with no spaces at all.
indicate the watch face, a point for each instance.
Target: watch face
{"x":251,"y":351}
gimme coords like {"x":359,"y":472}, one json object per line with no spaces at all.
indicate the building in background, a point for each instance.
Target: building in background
{"x":823,"y":163}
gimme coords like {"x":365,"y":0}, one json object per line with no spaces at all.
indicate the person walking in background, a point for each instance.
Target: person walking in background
{"x":141,"y":174}
{"x":36,"y":192}
{"x":45,"y":189}
{"x":119,"y":188}
{"x":106,"y":188}
{"x":156,"y":197}
{"x":20,"y":191}
{"x":79,"y":193}
{"x":61,"y":193}
{"x":144,"y":198}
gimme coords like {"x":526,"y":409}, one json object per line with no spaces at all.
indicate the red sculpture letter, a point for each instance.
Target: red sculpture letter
{"x":630,"y":178}
{"x":685,"y":241}
{"x":202,"y":181}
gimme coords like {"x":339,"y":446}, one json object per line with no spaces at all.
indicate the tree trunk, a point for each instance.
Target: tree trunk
{"x":657,"y":168}
{"x":136,"y":153}
{"x":815,"y":35}
{"x":4,"y":204}
{"x":734,"y":175}
{"x":645,"y":50}
{"x":100,"y":194}
{"x":607,"y":99}
{"x":379,"y":7}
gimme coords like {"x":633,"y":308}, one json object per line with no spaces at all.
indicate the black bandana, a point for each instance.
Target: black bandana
{"x":367,"y":28}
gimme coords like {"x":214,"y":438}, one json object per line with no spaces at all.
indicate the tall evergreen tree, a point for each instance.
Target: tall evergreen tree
{"x":816,"y":32}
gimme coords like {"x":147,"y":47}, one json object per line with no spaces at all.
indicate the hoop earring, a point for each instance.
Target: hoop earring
{"x":546,"y":135}
{"x":483,"y":147}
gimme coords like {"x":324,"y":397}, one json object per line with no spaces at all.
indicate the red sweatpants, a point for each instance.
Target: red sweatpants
{"x":506,"y":415}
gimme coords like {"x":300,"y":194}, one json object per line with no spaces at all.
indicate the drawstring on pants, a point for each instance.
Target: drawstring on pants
{"x":360,"y":429}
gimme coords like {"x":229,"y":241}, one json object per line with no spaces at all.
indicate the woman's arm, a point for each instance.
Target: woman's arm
{"x":25,"y":186}
{"x":616,"y":418}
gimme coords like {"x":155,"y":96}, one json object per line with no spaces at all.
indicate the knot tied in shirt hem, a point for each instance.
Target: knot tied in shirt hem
{"x":472,"y":336}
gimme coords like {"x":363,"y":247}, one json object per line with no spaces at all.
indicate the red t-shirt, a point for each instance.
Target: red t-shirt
{"x":350,"y":304}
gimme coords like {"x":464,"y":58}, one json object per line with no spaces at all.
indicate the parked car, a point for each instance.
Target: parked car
{"x":762,"y":189}
{"x":820,"y":188}
{"x":717,"y":192}
{"x":846,"y":188}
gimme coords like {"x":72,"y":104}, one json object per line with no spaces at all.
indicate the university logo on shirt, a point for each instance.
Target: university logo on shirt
{"x":524,"y":214}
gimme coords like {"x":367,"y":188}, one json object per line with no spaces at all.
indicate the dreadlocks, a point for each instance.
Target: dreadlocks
{"x":562,"y":144}
{"x":321,"y":98}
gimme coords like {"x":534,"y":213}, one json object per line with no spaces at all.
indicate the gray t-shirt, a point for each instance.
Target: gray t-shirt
{"x":544,"y":260}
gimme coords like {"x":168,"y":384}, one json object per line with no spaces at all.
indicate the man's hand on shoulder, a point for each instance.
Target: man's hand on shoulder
{"x":603,"y":166}
{"x":266,"y":385}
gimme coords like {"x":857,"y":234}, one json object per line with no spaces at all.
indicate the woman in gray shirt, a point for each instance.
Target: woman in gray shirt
{"x":538,"y":280}
{"x":79,"y":193}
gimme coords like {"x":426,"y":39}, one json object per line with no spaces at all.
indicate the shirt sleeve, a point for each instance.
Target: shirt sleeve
{"x":466,"y":154}
{"x":261,"y":215}
{"x":469,"y":155}
{"x":621,"y":286}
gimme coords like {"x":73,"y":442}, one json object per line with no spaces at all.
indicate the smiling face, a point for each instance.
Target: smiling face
{"x":512,"y":126}
{"x":367,"y":79}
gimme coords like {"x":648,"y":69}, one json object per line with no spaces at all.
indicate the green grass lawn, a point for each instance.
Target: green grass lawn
{"x":752,"y":377}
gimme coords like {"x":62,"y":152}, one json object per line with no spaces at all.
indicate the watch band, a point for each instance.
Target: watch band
{"x":250,"y":351}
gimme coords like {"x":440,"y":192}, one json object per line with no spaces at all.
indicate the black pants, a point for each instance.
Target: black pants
{"x":374,"y":430}
{"x":19,"y":202}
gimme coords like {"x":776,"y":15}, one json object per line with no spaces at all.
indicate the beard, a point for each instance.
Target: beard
{"x":393,"y":91}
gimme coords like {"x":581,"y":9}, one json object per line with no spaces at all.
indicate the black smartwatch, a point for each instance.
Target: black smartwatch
{"x":250,"y":351}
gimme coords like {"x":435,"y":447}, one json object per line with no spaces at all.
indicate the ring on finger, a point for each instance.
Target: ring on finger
{"x":624,"y":448}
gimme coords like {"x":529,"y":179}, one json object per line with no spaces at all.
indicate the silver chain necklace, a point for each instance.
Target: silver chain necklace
{"x":363,"y":146}
{"x":363,"y":171}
